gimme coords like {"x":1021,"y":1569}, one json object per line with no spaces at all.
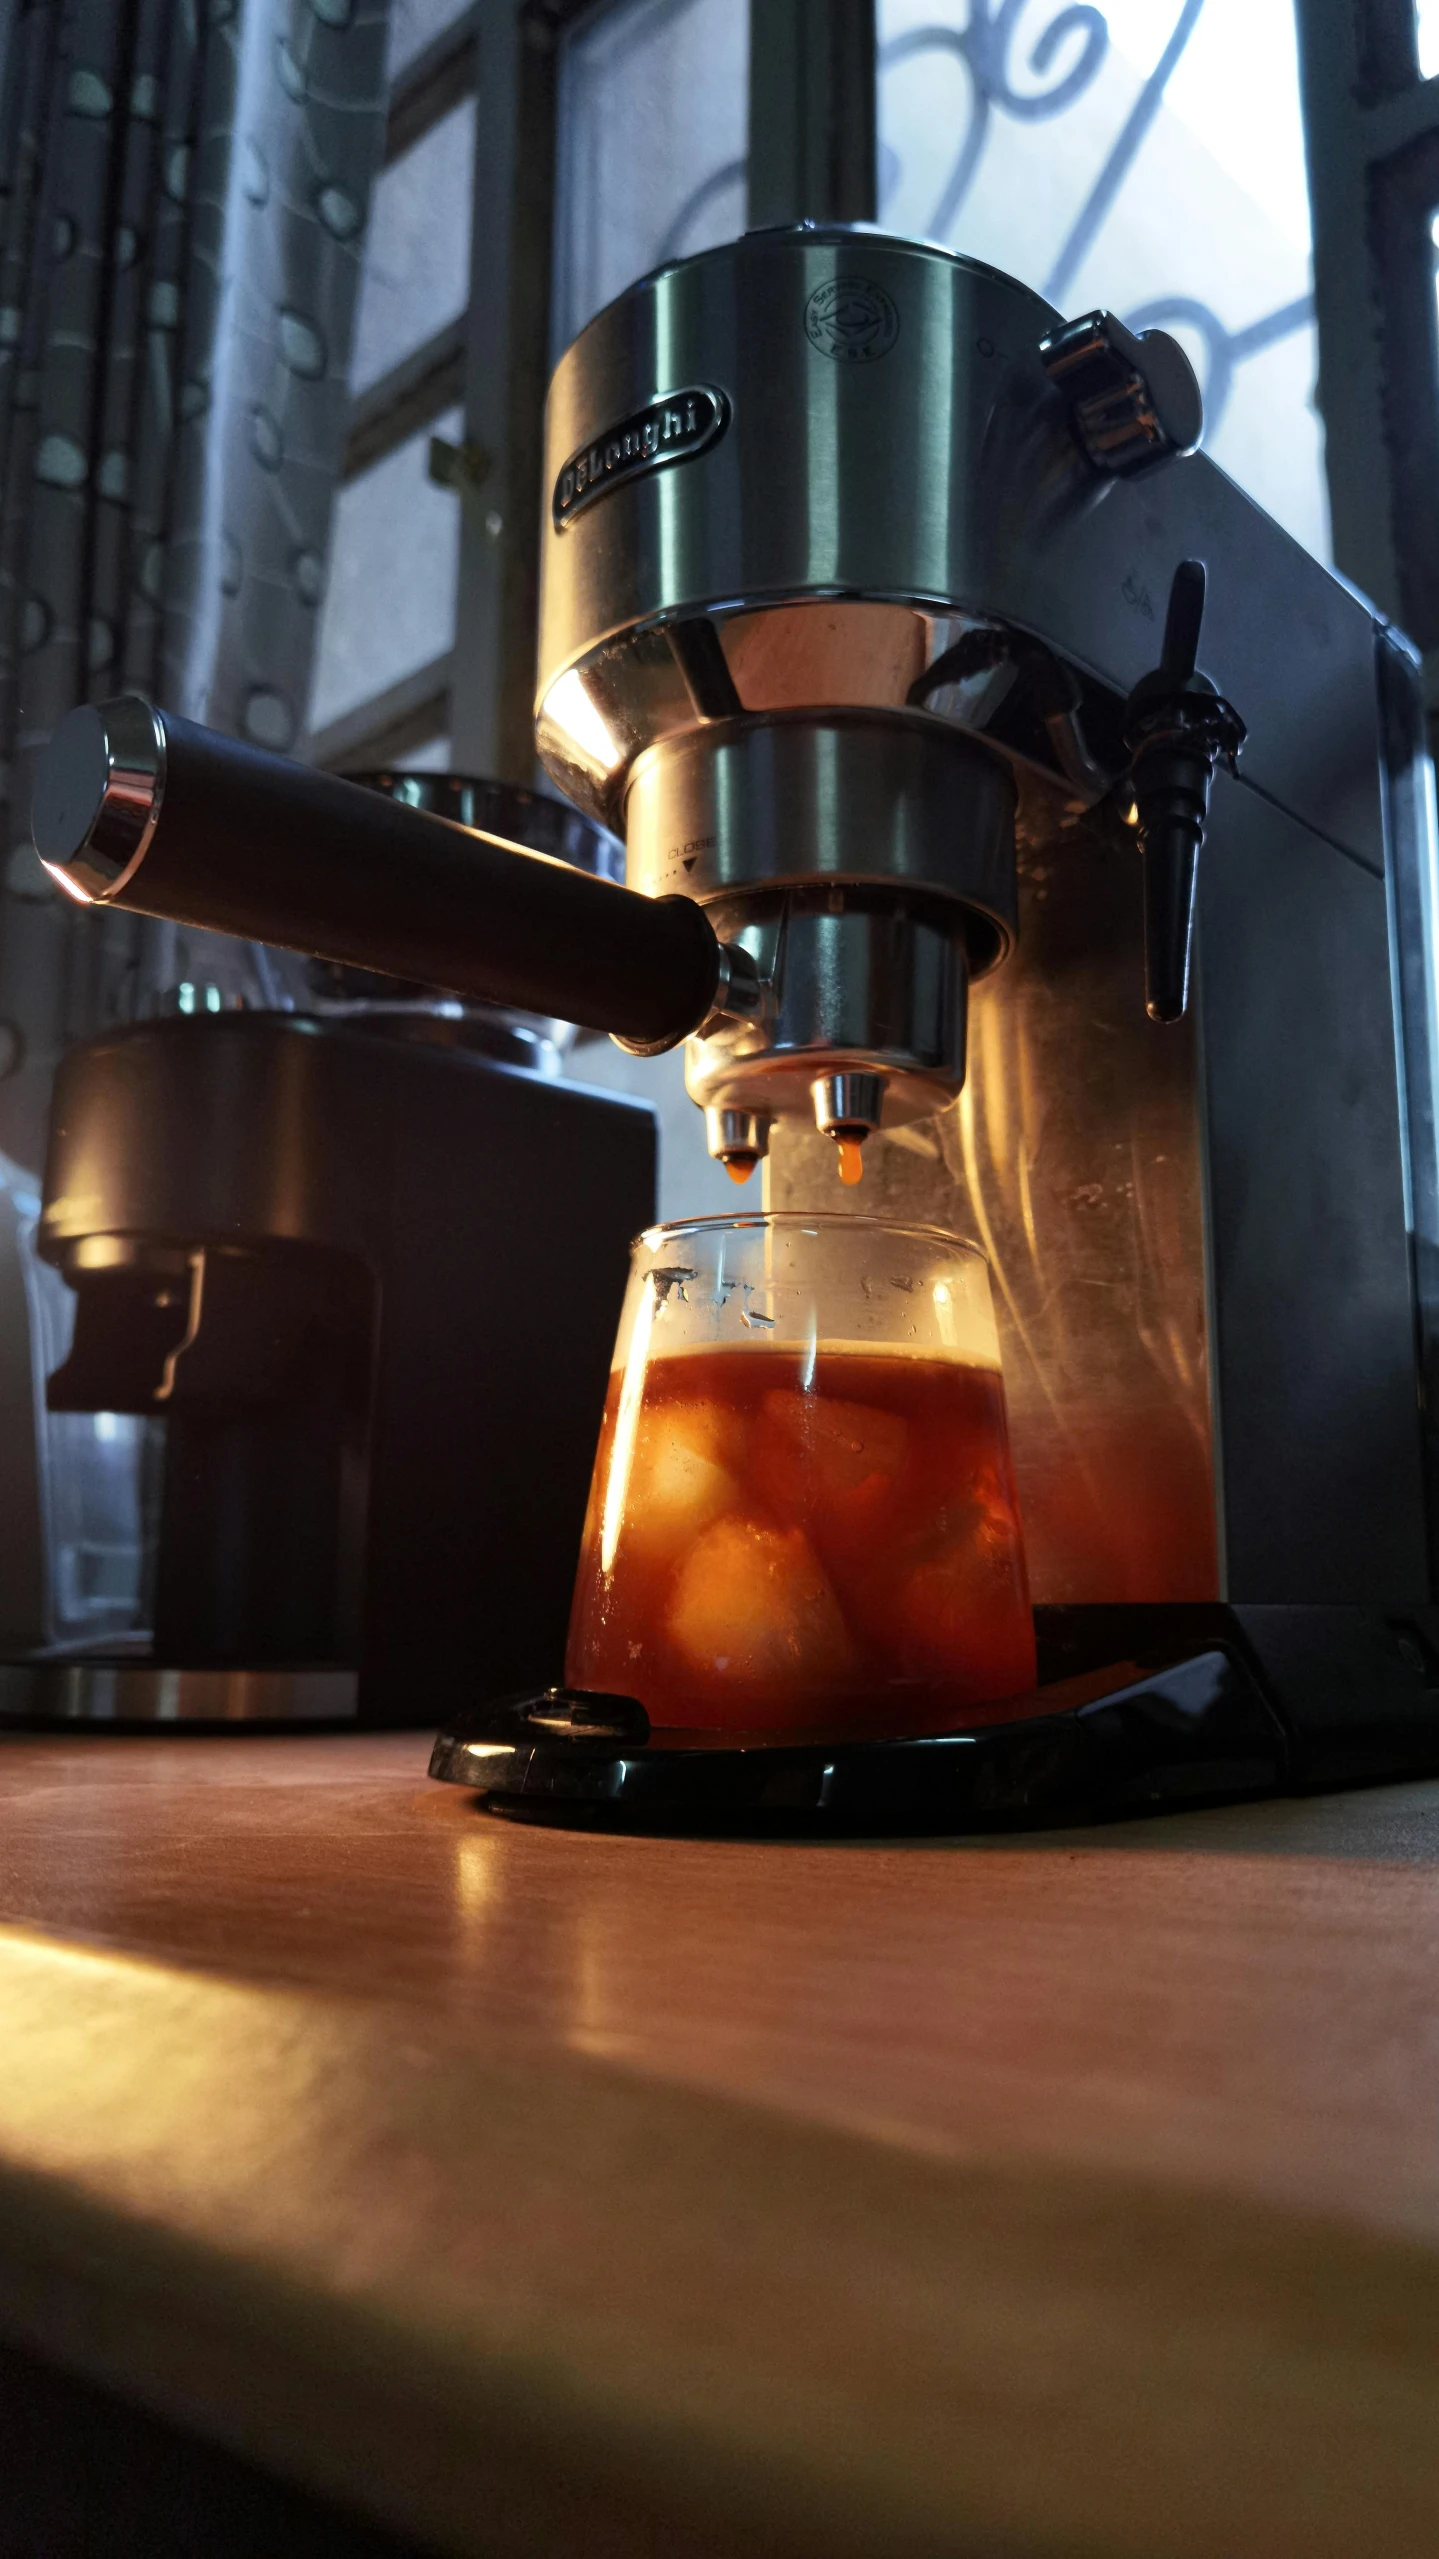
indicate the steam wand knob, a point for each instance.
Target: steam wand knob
{"x":1133,"y":401}
{"x":1177,"y":727}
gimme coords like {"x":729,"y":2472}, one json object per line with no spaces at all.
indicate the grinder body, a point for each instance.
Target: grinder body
{"x":368,"y":1286}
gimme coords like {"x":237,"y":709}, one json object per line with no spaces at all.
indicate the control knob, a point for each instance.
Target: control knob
{"x":1132,"y":401}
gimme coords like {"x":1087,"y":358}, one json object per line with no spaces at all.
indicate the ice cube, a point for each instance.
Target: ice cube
{"x":680,"y":1475}
{"x":822,"y":1454}
{"x":960,"y":1606}
{"x":754,"y":1607}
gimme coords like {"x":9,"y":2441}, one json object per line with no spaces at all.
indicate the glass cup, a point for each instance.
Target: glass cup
{"x":803,"y":1514}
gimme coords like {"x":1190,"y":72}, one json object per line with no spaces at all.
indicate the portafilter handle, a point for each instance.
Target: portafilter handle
{"x":134,"y":808}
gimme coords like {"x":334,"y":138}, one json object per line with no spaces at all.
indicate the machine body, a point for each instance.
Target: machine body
{"x":852,"y":666}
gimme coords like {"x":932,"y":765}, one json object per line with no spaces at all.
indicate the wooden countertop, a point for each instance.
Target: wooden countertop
{"x":545,"y":2191}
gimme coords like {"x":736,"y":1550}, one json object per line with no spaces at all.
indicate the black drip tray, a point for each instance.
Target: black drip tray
{"x":1138,"y":1710}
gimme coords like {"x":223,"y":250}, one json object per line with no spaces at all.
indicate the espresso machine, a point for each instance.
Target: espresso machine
{"x":1014,"y":816}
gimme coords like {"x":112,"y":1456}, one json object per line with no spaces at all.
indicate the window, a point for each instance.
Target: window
{"x":653,"y":97}
{"x":414,"y":24}
{"x":382,"y":679}
{"x":389,"y":610}
{"x":417,"y":252}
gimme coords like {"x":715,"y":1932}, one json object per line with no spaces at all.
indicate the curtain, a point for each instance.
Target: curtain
{"x":183,"y":193}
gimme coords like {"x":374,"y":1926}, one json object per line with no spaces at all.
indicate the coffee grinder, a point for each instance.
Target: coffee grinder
{"x":939,"y":685}
{"x":355,"y":1269}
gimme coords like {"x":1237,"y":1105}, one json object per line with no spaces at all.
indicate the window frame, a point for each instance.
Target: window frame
{"x":493,"y":361}
{"x":1371,"y":129}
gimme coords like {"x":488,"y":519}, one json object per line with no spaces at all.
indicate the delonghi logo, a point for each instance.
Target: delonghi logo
{"x":673,"y":429}
{"x":851,"y":319}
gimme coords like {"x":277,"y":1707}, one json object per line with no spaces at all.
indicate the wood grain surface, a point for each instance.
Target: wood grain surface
{"x":546,"y":2190}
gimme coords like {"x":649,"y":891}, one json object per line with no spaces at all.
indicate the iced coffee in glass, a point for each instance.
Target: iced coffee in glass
{"x":803,"y":1513}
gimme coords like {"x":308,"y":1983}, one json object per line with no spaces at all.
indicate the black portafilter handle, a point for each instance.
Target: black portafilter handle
{"x":1176,"y":728}
{"x":134,"y":808}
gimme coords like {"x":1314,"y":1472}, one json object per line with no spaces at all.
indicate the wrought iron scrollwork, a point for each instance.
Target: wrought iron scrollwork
{"x":985,"y":47}
{"x":1223,"y":349}
{"x":1085,"y":228}
{"x":677,"y":240}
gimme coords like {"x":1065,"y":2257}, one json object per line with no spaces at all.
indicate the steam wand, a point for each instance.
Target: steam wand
{"x":1177,"y":727}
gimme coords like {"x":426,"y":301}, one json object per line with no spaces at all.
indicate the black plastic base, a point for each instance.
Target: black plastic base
{"x":1139,"y":1709}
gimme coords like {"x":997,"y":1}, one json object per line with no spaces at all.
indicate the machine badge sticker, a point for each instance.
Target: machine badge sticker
{"x":851,"y":320}
{"x":673,"y":429}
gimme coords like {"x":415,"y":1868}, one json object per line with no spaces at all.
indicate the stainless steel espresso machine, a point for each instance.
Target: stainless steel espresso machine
{"x":936,"y":682}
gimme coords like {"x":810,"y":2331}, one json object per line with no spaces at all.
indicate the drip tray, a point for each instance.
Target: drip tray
{"x":1139,"y":1710}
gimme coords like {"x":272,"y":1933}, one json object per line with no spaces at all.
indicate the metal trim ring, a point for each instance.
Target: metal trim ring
{"x":97,"y":1691}
{"x":870,"y":798}
{"x":98,"y":796}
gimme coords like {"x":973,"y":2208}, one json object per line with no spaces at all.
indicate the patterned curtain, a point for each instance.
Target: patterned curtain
{"x":183,"y":193}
